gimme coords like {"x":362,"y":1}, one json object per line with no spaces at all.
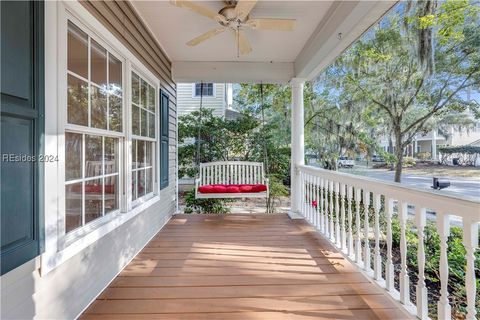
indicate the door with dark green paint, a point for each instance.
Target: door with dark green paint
{"x":22,"y":129}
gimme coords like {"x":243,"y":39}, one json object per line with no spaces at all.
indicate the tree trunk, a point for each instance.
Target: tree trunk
{"x":398,"y":155}
{"x":390,"y":150}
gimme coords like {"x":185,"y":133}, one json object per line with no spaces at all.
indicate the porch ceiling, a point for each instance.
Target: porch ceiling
{"x":277,"y":56}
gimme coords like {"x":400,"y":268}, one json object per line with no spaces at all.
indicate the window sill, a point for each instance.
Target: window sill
{"x":70,"y":245}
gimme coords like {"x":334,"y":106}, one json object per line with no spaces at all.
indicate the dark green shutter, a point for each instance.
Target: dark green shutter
{"x":22,"y":129}
{"x":164,"y":102}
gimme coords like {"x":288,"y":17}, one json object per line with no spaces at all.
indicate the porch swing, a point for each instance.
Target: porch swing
{"x":230,"y":179}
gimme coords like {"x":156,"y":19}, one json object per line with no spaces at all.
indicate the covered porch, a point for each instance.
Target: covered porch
{"x":241,"y":267}
{"x":342,"y":251}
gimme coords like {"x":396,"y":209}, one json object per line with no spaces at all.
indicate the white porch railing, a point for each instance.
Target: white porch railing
{"x":339,"y":205}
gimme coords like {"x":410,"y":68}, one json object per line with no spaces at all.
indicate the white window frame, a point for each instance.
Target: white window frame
{"x":59,"y":246}
{"x":214,"y":90}
{"x":153,"y":82}
{"x":67,"y":238}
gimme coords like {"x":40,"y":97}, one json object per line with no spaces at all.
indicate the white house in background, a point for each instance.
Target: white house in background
{"x":216,"y":96}
{"x":454,"y":137}
{"x":431,"y":141}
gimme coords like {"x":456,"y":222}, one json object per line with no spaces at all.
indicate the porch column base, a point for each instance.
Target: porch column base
{"x":294,"y":215}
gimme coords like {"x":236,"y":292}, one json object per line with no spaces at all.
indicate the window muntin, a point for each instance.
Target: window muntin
{"x":143,"y":143}
{"x":94,"y":79}
{"x":94,"y":101}
{"x":143,"y":107}
{"x":142,"y":168}
{"x":207,"y":89}
{"x":91,"y":178}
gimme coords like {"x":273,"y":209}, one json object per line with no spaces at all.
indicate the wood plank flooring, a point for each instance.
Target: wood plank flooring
{"x":241,"y":267}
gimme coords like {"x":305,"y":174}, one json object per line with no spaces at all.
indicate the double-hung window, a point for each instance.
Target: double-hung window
{"x":143,"y":147}
{"x":94,"y":130}
{"x":204,"y":89}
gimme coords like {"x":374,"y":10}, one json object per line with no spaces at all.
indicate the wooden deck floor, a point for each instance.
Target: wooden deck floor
{"x":241,"y":267}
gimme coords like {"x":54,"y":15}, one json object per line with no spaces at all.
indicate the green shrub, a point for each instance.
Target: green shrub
{"x":276,"y":189}
{"x":193,"y":205}
{"x":408,"y":162}
{"x":424,"y":155}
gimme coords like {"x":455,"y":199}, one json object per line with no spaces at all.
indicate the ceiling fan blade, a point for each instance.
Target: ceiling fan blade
{"x":272,"y":24}
{"x":243,"y":43}
{"x":244,"y":7}
{"x":201,"y":10}
{"x":207,"y":35}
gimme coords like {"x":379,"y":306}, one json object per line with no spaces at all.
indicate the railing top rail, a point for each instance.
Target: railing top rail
{"x":464,"y":206}
{"x":248,"y":163}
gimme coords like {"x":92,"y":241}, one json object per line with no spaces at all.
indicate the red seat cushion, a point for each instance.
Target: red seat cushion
{"x":259,"y":188}
{"x":245,"y":188}
{"x":219,"y":188}
{"x":232,"y":188}
{"x":205,"y":189}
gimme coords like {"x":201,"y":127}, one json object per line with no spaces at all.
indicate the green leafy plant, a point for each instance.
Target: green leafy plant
{"x":409,"y":162}
{"x":424,"y":155}
{"x":203,"y":206}
{"x":276,"y":189}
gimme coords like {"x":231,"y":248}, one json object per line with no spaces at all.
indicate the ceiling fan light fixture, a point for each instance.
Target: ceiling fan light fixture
{"x":234,"y":16}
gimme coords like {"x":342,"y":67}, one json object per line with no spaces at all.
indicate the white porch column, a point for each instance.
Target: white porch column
{"x":434,"y":144}
{"x":298,"y":147}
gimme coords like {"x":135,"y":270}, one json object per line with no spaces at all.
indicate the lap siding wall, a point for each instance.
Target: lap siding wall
{"x":64,"y":292}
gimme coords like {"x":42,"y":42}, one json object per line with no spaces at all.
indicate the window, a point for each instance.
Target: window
{"x":92,"y":178}
{"x":93,"y":132}
{"x":207,"y":89}
{"x":143,"y":133}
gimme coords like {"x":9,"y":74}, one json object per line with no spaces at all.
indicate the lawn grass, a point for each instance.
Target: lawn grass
{"x":440,"y":171}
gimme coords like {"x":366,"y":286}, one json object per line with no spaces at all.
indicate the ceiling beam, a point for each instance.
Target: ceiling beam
{"x":232,"y":72}
{"x":345,"y":22}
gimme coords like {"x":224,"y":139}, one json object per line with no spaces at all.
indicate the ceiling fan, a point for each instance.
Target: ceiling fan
{"x":234,"y":16}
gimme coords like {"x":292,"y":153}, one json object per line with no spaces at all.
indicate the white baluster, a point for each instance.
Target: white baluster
{"x":358,"y":243}
{"x":421,"y":292}
{"x":470,"y":242}
{"x":404,"y":279}
{"x":366,"y":231}
{"x":343,"y":235}
{"x":317,"y":198}
{"x":322,"y":208}
{"x":443,"y":226}
{"x":332,"y":228}
{"x":389,"y":270}
{"x":304,"y":189}
{"x":377,"y":259}
{"x":337,"y":214}
{"x":309,"y":198}
{"x":350,"y":231}
{"x":327,"y":208}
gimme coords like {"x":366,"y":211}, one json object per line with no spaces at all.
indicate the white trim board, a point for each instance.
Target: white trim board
{"x":56,"y":14}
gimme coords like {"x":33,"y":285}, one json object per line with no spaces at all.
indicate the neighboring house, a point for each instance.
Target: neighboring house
{"x":216,"y":96}
{"x":424,"y":142}
{"x":453,"y":137}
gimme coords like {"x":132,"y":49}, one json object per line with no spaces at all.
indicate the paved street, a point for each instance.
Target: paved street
{"x":459,"y":186}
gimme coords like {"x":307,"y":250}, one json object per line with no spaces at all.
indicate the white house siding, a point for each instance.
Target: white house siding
{"x":63,"y":292}
{"x":187,"y":102}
